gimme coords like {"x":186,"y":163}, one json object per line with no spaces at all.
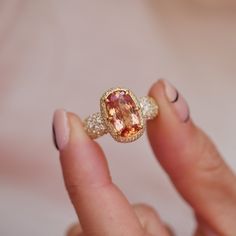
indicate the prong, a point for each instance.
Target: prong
{"x":118,"y":133}
{"x":140,"y":126}
{"x":110,"y":118}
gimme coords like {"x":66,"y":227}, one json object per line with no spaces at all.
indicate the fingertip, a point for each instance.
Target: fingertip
{"x":171,"y":102}
{"x":172,"y":131}
{"x":77,"y":132}
{"x":67,"y":129}
{"x":157,"y":90}
{"x":174,"y":114}
{"x":82,"y":159}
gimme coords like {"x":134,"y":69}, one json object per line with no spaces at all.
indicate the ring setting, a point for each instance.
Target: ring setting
{"x":122,"y":115}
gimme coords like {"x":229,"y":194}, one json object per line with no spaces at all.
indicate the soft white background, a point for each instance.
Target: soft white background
{"x":66,"y":54}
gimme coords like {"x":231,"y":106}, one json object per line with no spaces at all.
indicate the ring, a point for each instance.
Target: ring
{"x":122,"y":115}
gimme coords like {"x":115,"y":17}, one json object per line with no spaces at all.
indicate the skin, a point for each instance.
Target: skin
{"x":188,"y":156}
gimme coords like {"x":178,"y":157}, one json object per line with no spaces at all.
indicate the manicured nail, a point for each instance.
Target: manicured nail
{"x":60,"y":129}
{"x":179,"y":103}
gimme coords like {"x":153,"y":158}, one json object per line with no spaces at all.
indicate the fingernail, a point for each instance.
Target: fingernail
{"x":179,"y":103}
{"x":60,"y":129}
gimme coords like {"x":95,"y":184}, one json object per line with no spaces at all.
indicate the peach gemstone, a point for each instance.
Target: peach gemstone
{"x":123,"y":113}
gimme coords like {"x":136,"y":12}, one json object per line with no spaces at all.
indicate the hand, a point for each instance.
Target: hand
{"x":188,"y":156}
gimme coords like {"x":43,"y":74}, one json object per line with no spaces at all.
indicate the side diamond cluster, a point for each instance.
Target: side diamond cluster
{"x":149,"y":107}
{"x":94,"y":125}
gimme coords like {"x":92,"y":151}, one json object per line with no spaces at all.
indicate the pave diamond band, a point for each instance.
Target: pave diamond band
{"x":122,"y":115}
{"x":94,"y":126}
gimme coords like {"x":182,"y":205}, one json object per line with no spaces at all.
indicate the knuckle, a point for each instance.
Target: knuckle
{"x":145,"y":210}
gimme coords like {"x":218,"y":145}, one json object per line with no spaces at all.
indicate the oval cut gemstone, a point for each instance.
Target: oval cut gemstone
{"x":123,"y":114}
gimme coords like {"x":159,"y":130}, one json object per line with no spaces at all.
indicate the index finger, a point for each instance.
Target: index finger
{"x":192,"y":161}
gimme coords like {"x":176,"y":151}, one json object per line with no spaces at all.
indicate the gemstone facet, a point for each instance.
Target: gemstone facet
{"x":123,"y":115}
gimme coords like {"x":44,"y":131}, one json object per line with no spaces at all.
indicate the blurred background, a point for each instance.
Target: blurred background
{"x":65,"y":54}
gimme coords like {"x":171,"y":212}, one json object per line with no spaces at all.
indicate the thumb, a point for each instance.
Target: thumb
{"x":101,"y":207}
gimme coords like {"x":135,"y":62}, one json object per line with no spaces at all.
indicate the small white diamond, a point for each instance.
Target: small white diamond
{"x":149,"y":108}
{"x":94,"y":125}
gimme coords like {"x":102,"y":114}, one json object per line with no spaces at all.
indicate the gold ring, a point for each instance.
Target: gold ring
{"x":122,"y":115}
